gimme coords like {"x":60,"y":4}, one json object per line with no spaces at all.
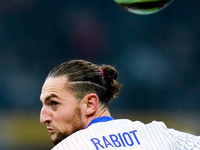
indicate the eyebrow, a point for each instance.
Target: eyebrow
{"x":49,"y":97}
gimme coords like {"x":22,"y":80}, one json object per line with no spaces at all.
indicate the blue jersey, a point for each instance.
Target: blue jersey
{"x":105,"y":133}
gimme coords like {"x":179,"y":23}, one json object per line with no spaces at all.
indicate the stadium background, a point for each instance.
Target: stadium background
{"x":157,"y":57}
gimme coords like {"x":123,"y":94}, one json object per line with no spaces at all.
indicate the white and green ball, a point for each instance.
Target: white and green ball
{"x":144,"y":7}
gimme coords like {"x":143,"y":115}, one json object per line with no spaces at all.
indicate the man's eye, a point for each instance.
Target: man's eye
{"x":53,"y":103}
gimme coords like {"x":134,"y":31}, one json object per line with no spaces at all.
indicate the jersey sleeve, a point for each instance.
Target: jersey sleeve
{"x":176,"y":140}
{"x":185,"y":141}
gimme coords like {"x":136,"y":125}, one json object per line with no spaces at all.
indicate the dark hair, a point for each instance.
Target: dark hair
{"x":85,"y":77}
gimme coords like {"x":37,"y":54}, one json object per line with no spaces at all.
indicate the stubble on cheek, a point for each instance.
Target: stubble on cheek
{"x":76,"y":123}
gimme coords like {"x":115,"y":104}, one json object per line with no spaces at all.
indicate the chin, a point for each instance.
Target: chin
{"x":55,"y":139}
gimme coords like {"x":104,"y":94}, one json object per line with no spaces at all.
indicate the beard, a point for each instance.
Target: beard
{"x":77,"y":123}
{"x":58,"y":138}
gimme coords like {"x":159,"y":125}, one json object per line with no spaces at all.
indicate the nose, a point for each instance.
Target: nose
{"x":45,"y":115}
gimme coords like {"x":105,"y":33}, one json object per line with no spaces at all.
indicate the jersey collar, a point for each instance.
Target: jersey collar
{"x":100,"y":119}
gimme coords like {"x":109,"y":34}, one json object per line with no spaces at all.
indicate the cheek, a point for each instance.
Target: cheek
{"x":64,"y":115}
{"x":64,"y":123}
{"x":74,"y":118}
{"x":71,"y":123}
{"x":68,"y":118}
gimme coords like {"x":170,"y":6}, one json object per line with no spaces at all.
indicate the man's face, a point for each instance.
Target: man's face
{"x":61,"y":111}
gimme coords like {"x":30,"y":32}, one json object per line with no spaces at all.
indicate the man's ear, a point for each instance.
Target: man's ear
{"x":91,"y":103}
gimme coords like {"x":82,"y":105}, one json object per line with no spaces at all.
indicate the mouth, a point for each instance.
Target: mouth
{"x":51,"y":130}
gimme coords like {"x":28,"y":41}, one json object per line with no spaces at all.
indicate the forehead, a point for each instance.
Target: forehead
{"x":53,"y":85}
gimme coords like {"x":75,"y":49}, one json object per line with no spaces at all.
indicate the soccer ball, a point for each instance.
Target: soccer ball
{"x":144,"y":7}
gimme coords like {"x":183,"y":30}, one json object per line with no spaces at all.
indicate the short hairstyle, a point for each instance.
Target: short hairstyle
{"x":85,"y":77}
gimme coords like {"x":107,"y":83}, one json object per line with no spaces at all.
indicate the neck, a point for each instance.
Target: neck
{"x":101,"y":113}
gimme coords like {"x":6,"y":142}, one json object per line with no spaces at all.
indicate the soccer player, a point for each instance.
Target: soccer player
{"x":75,"y":98}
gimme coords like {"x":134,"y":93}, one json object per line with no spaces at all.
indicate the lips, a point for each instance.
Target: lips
{"x":51,"y":130}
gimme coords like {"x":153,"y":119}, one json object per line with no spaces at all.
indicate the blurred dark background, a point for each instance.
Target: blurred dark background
{"x":157,"y":57}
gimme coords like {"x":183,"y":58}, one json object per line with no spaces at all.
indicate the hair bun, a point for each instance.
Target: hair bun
{"x":110,"y":72}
